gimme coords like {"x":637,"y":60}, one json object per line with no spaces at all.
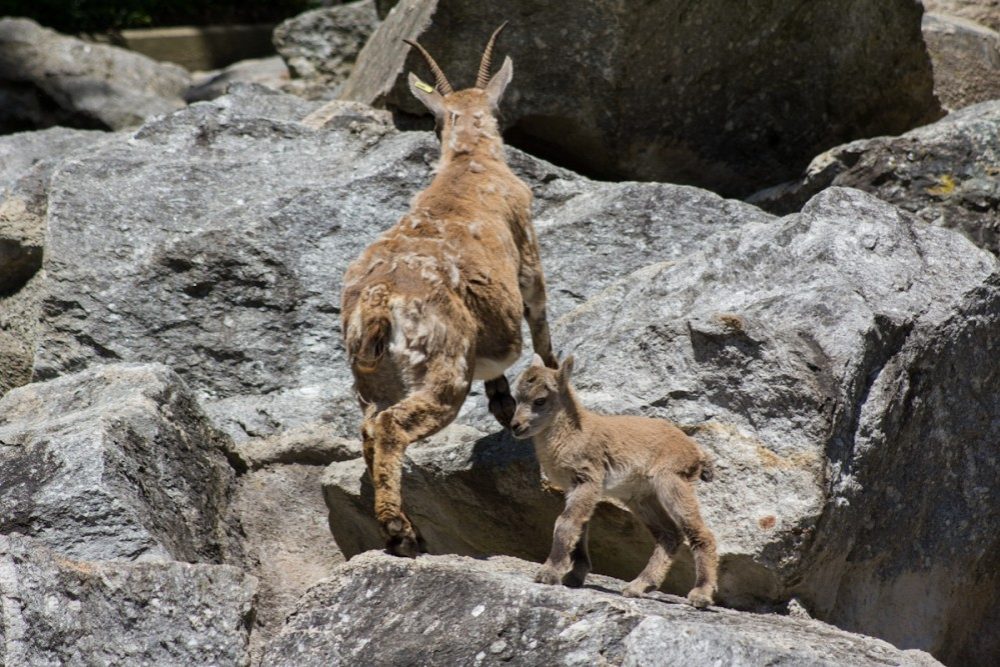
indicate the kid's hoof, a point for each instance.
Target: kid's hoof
{"x":574,"y":580}
{"x":547,"y":576}
{"x":699,"y":599}
{"x":636,"y":589}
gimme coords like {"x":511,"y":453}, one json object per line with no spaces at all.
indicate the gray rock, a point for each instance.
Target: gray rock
{"x":70,"y":612}
{"x":436,"y":610}
{"x":675,"y":90}
{"x":966,"y":60}
{"x":286,"y":539}
{"x":117,"y":462}
{"x":945,"y":173}
{"x":51,"y":79}
{"x":271,"y":72}
{"x":913,"y":514}
{"x":320,"y":46}
{"x":767,"y":346}
{"x":27,"y":160}
{"x":984,"y":12}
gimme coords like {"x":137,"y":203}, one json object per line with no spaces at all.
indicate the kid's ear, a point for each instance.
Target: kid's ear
{"x":498,"y":84}
{"x":537,"y":361}
{"x":566,"y":370}
{"x":427,"y":94}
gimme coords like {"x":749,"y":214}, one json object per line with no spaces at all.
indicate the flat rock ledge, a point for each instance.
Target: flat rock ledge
{"x":450,"y":610}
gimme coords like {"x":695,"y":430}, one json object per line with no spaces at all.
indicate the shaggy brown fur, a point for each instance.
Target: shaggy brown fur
{"x":648,"y":464}
{"x":437,"y":300}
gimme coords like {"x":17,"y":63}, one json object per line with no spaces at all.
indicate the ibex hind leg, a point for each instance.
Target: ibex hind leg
{"x":421,"y":414}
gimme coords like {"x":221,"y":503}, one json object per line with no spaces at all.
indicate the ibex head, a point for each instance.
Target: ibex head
{"x":470,"y":109}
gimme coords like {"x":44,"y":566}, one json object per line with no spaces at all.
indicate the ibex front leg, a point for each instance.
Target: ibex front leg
{"x":580,"y":504}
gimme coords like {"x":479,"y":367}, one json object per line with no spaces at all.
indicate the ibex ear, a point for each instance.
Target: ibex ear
{"x":498,"y":84}
{"x":537,"y":362}
{"x":565,"y":371}
{"x":427,"y":94}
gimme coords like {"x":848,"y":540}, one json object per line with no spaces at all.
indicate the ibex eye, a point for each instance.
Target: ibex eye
{"x":539,"y":401}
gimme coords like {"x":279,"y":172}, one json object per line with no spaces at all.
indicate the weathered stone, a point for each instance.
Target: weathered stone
{"x":27,"y":160}
{"x":320,"y":46}
{"x":286,"y":538}
{"x":946,"y":173}
{"x":984,"y":12}
{"x":676,"y":90}
{"x":966,"y":60}
{"x":70,"y":612}
{"x":450,"y":610}
{"x":271,"y":72}
{"x":912,"y":517}
{"x":116,"y":462}
{"x":51,"y":79}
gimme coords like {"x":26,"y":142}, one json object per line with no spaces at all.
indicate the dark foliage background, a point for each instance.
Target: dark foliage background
{"x":97,"y":16}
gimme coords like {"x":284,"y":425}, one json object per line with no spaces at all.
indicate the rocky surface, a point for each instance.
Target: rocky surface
{"x":271,"y":72}
{"x":320,"y":46}
{"x":766,"y":345}
{"x":966,"y":60}
{"x":985,"y":12}
{"x":451,"y":610}
{"x":50,"y":79}
{"x":55,"y":611}
{"x":116,"y":462}
{"x":27,"y":161}
{"x":946,"y":173}
{"x":680,"y":91}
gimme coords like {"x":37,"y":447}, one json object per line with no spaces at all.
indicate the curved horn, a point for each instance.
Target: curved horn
{"x":483,"y":77}
{"x":440,"y":80}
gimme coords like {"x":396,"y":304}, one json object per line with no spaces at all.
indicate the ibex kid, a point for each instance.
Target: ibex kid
{"x":648,"y":464}
{"x":437,"y":300}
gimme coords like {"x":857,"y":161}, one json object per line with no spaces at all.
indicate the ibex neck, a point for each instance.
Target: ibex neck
{"x":473,"y":144}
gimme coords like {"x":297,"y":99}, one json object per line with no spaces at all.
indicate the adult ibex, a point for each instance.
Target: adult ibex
{"x":437,"y":300}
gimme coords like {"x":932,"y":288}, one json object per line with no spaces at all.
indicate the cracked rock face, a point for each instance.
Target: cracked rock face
{"x":679,"y":91}
{"x":57,"y":611}
{"x":114,"y":463}
{"x":447,"y":610}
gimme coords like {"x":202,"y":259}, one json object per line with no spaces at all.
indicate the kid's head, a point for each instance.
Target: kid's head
{"x":540,"y":393}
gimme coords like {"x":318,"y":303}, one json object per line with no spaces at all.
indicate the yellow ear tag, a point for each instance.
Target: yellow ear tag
{"x":427,"y":88}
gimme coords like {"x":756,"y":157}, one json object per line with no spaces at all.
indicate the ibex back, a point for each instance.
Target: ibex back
{"x":437,"y":300}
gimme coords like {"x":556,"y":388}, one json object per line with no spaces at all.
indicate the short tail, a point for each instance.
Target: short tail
{"x":368,"y":335}
{"x":707,"y":469}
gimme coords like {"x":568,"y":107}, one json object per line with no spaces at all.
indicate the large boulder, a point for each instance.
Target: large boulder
{"x":50,"y":79}
{"x":55,"y":611}
{"x":945,"y":173}
{"x":674,"y":90}
{"x":27,"y":160}
{"x":320,"y":46}
{"x":115,"y":463}
{"x":452,"y":610}
{"x":966,"y":60}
